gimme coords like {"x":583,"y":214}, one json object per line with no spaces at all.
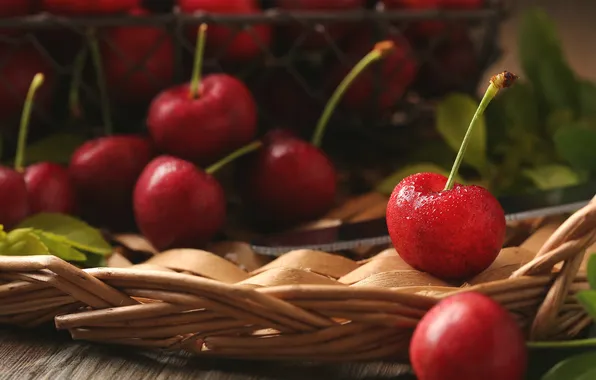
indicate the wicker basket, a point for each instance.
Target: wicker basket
{"x":304,"y":305}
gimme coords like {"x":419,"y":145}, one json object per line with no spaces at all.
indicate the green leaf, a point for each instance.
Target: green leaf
{"x":95,"y":261}
{"x":587,"y":98}
{"x":56,"y":148}
{"x":59,"y":246}
{"x":22,"y":242}
{"x":75,"y":232}
{"x":576,"y":145}
{"x":388,"y":184}
{"x":592,"y":271}
{"x":454,"y":114}
{"x":588,"y":300}
{"x":579,"y":367}
{"x":544,"y":63}
{"x":521,"y":108}
{"x":552,"y":176}
{"x":559,"y":118}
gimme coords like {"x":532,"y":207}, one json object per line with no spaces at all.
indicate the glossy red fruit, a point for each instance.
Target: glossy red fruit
{"x":75,"y":7}
{"x":202,"y":130}
{"x":468,"y":336}
{"x":104,"y":172}
{"x":398,"y":71}
{"x":334,"y":30}
{"x":14,"y":205}
{"x":287,"y":181}
{"x":138,"y":61}
{"x":177,"y":205}
{"x":224,"y":41}
{"x":19,"y":65}
{"x":49,"y":189}
{"x":453,"y":234}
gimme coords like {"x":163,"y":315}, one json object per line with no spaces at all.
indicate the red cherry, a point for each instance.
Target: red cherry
{"x":468,"y":336}
{"x":138,"y":61}
{"x":78,"y":7}
{"x":104,"y":172}
{"x":398,"y":71}
{"x":452,"y":234}
{"x":14,"y":205}
{"x":177,"y":205}
{"x":203,"y":130}
{"x":49,"y":189}
{"x":237,"y":45}
{"x":288,"y":180}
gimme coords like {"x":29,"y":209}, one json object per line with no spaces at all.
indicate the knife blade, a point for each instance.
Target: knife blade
{"x":374,"y":232}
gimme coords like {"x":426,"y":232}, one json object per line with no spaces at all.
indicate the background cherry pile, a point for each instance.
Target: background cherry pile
{"x":291,"y":54}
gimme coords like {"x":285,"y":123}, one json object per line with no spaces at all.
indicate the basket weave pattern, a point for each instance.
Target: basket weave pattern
{"x":304,"y":305}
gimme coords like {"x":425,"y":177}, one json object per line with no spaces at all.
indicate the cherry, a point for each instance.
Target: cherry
{"x":104,"y":171}
{"x":290,"y":180}
{"x":205,"y":119}
{"x":448,"y":230}
{"x":398,"y":72}
{"x":178,"y":205}
{"x":224,"y":41}
{"x":468,"y":336}
{"x":48,"y":185}
{"x":14,"y":205}
{"x":138,"y":61}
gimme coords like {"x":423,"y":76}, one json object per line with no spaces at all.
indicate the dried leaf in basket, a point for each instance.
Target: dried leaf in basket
{"x":240,"y":253}
{"x":357,"y":205}
{"x":321,"y":223}
{"x":400,"y":278}
{"x":200,"y":263}
{"x":116,"y":260}
{"x":135,"y":243}
{"x":323,"y":263}
{"x":508,"y":261}
{"x":289,"y":276}
{"x":388,"y":260}
{"x":535,"y":241}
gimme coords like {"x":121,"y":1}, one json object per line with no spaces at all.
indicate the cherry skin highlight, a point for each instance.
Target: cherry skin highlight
{"x":453,"y":234}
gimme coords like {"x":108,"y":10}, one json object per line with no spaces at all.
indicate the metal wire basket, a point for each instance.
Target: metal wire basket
{"x":291,"y":61}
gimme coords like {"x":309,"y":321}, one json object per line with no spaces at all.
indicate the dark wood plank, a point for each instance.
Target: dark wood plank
{"x":45,"y":354}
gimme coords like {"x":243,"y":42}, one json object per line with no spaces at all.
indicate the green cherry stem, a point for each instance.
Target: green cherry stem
{"x":195,"y":81}
{"x":25,"y":117}
{"x":380,"y":50}
{"x":101,"y":80}
{"x":233,"y":156}
{"x":497,"y":82}
{"x":74,"y":99}
{"x":590,"y":342}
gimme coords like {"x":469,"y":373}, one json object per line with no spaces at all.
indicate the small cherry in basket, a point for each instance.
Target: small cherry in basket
{"x":290,"y":180}
{"x":88,"y":7}
{"x":49,"y":188}
{"x":225,"y":42}
{"x":468,"y":336}
{"x":138,"y":61}
{"x":178,"y":205}
{"x":398,"y":71}
{"x":104,"y":171}
{"x":448,"y":230}
{"x":205,"y":119}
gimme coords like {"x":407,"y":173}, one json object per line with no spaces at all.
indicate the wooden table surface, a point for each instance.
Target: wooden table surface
{"x":46,"y":354}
